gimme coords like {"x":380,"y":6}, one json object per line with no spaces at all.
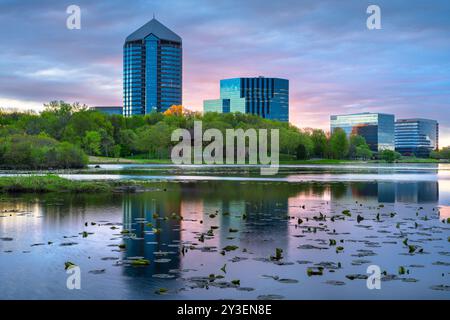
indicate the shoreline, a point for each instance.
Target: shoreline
{"x":106,"y":160}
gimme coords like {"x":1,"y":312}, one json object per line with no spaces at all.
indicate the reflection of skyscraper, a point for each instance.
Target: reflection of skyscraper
{"x":386,"y":192}
{"x":389,"y":192}
{"x":140,"y":222}
{"x":418,"y":192}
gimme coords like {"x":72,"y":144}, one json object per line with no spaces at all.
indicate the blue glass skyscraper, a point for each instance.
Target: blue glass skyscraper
{"x":152,"y":70}
{"x":266,"y":97}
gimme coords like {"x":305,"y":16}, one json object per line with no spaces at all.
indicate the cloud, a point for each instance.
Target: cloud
{"x":334,"y":64}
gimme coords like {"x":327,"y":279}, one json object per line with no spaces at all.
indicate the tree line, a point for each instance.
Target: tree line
{"x":62,"y":134}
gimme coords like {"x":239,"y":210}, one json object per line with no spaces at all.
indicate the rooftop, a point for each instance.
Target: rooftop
{"x":157,"y":29}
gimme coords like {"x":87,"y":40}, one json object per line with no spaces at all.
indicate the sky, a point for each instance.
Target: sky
{"x":334,"y":63}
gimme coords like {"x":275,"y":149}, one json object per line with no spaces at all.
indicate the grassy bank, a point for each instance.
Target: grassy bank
{"x":51,"y":183}
{"x":107,"y":160}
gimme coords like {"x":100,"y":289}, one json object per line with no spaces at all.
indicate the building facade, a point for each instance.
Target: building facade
{"x":265,"y":97}
{"x":108,"y":109}
{"x":152,"y":70}
{"x":416,"y":137}
{"x":377,"y":128}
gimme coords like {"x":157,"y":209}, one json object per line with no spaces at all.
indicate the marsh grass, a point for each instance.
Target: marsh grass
{"x":50,"y":183}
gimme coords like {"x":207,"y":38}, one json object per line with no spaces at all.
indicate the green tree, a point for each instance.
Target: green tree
{"x":154,"y":140}
{"x":339,"y":145}
{"x":320,"y":142}
{"x":91,"y":142}
{"x":389,"y":155}
{"x":359,"y":149}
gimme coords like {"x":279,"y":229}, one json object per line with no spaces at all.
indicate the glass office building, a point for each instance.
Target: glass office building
{"x":266,"y":97}
{"x":416,"y":137}
{"x":108,"y":109}
{"x":377,"y":128}
{"x":152,"y":70}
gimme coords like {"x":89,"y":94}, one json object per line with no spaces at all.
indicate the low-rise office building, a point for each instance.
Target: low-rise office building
{"x":377,"y":128}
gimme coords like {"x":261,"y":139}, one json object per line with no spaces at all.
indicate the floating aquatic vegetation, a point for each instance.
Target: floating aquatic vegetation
{"x":98,"y":271}
{"x":68,"y":265}
{"x":339,"y":249}
{"x":311,"y":247}
{"x":440,"y":287}
{"x":332,"y":242}
{"x":409,"y":280}
{"x":314,"y":272}
{"x":224,"y":268}
{"x":236,"y":282}
{"x":245,"y":289}
{"x":360,"y":262}
{"x":335,"y":282}
{"x":38,"y":244}
{"x":233,"y":230}
{"x":161,"y":291}
{"x":67,"y":244}
{"x":270,"y":297}
{"x":109,"y":258}
{"x":162,"y":260}
{"x":278,"y":254}
{"x":122,"y":246}
{"x":287,"y":281}
{"x":85,"y":234}
{"x":412,"y":248}
{"x":140,"y":262}
{"x":356,"y":276}
{"x":401,"y":270}
{"x":230,"y":248}
{"x":347,"y":213}
{"x":238,"y":259}
{"x":163,"y":276}
{"x":441,"y":263}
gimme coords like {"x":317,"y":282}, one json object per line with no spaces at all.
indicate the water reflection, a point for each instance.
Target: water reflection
{"x":40,"y":224}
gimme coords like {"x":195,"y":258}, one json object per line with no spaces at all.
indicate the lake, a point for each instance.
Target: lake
{"x":212,"y":232}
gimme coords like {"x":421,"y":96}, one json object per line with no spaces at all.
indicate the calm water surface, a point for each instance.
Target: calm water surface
{"x":228,"y":206}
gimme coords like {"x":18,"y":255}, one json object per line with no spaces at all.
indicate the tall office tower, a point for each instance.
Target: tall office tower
{"x":416,"y":137}
{"x":266,"y":97}
{"x":152,"y":70}
{"x":377,"y":128}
